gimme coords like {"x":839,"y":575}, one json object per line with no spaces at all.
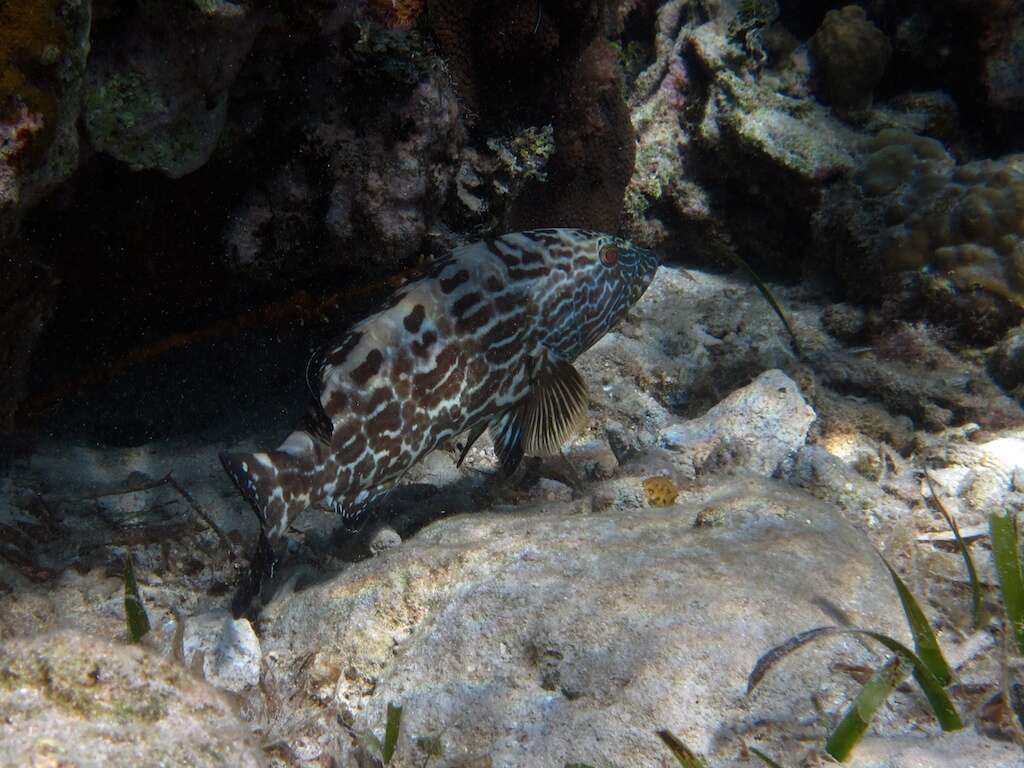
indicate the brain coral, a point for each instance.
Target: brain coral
{"x":660,"y":491}
{"x":966,"y":222}
{"x":956,"y":231}
{"x":850,"y":54}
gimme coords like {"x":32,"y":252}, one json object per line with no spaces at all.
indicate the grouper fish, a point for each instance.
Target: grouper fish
{"x":484,"y":341}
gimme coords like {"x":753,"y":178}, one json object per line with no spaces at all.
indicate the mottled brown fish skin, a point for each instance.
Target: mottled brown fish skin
{"x":452,"y":351}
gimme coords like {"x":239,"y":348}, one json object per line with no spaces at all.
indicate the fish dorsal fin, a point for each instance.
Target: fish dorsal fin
{"x":541,"y":423}
{"x":315,"y":420}
{"x":317,"y":423}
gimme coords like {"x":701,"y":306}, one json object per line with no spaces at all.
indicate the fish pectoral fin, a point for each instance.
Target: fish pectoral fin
{"x":542,"y":422}
{"x":556,"y":408}
{"x":471,"y":438}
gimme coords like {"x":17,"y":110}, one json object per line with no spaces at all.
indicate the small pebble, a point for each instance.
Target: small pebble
{"x":709,"y":517}
{"x":384,"y":538}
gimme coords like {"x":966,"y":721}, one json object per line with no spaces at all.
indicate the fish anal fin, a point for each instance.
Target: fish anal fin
{"x":507,"y":434}
{"x":471,"y":438}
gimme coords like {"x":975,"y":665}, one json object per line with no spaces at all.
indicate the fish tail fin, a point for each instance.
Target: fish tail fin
{"x":278,"y":485}
{"x":257,"y":488}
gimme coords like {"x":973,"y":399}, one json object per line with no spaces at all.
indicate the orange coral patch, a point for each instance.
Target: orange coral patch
{"x":395,"y":13}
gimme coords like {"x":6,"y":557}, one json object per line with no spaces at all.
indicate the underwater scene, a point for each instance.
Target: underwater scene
{"x":500,"y":383}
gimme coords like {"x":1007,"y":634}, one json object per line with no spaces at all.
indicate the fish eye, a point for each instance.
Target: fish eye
{"x":609,"y":255}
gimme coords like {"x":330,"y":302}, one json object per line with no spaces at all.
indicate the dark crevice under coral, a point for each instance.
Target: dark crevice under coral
{"x":513,"y":73}
{"x":941,"y":46}
{"x":594,"y":153}
{"x":514,"y":65}
{"x":935,"y":46}
{"x":107,"y":360}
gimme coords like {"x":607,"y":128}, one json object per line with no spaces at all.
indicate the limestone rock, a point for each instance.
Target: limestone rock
{"x":546,"y":627}
{"x":366,"y":156}
{"x":962,"y":749}
{"x":383,"y":539}
{"x":1004,"y":63}
{"x":76,"y":700}
{"x":43,"y":50}
{"x":157,"y":83}
{"x":852,"y":54}
{"x":757,"y":426}
{"x":1007,"y":362}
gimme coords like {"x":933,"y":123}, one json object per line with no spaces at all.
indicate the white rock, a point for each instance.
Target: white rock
{"x":990,"y":471}
{"x":756,"y":427}
{"x":861,"y":501}
{"x":231,"y":651}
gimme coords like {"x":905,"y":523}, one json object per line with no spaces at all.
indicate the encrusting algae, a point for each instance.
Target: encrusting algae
{"x":32,"y":41}
{"x":661,"y":491}
{"x":395,"y":13}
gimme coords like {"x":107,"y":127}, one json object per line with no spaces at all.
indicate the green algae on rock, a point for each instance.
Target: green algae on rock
{"x":118,"y":113}
{"x":157,"y":85}
{"x":489,"y":179}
